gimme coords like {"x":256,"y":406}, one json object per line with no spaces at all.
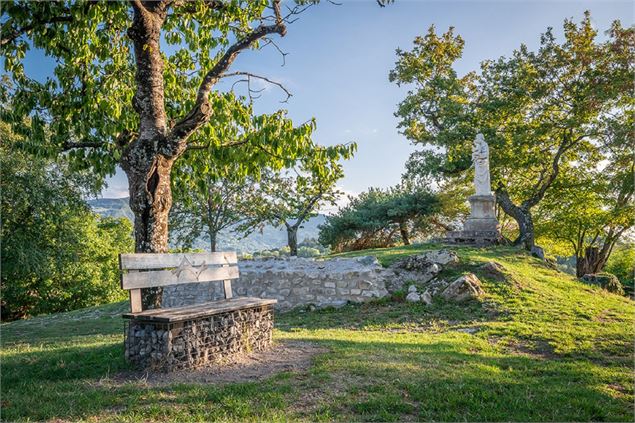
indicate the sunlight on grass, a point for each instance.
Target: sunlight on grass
{"x":545,"y":348}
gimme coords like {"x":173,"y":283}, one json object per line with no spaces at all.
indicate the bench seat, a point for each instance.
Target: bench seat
{"x":195,"y":335}
{"x":179,"y":314}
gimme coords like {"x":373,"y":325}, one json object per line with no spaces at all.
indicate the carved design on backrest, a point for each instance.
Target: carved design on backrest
{"x":187,"y":266}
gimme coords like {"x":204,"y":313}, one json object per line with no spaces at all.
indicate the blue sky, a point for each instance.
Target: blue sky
{"x":339,"y":58}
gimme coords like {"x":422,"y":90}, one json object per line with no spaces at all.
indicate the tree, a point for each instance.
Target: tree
{"x":591,"y":209}
{"x":219,"y":205}
{"x":541,"y":112}
{"x":116,"y":97}
{"x":207,"y":201}
{"x":377,"y":218}
{"x":622,"y":264}
{"x":292,"y":200}
{"x":56,"y":254}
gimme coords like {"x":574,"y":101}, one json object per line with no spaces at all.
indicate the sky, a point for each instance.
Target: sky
{"x":339,"y":57}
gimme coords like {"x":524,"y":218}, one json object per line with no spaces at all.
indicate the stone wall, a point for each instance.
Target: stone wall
{"x":293,"y":282}
{"x":198,"y":342}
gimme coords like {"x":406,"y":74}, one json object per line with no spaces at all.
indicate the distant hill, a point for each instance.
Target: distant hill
{"x":270,"y":237}
{"x":112,"y":207}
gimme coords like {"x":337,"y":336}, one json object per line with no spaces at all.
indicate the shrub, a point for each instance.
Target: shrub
{"x":622,"y":264}
{"x":378,"y":218}
{"x":56,"y":255}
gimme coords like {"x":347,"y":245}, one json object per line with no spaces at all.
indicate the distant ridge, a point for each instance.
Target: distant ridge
{"x":270,"y":238}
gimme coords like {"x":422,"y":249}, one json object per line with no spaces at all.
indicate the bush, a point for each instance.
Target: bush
{"x":56,"y":254}
{"x":622,"y":264}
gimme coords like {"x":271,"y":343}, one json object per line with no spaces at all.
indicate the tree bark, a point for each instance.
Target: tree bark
{"x":522,"y":216}
{"x":150,"y":201}
{"x":292,"y":240}
{"x":212,"y":241}
{"x":403,"y":230}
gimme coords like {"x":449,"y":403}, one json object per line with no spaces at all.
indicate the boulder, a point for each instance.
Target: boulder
{"x":413,"y":297}
{"x":494,"y":270}
{"x":463,"y":288}
{"x":538,"y":252}
{"x":421,"y":268}
{"x":426,"y":297}
{"x":441,"y":257}
{"x":607,"y":281}
{"x":430,"y":261}
{"x":412,"y":288}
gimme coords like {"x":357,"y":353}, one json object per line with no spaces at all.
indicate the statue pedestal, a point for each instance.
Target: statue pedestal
{"x":482,"y":215}
{"x":481,"y":228}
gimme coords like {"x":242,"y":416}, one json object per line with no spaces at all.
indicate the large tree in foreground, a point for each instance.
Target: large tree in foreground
{"x":541,"y":112}
{"x":135,"y":84}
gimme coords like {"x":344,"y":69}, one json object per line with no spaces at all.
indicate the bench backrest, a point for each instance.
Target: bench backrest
{"x":147,"y":270}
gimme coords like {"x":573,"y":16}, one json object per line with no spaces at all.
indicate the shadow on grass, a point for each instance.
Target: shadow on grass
{"x":361,"y":379}
{"x":62,"y":363}
{"x":387,"y":315}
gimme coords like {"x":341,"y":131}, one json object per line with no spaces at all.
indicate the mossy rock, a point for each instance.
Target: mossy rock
{"x":607,"y":281}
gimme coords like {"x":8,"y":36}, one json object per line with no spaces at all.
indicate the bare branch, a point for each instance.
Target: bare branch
{"x":250,"y":75}
{"x":269,"y":41}
{"x":84,"y":144}
{"x":201,"y":111}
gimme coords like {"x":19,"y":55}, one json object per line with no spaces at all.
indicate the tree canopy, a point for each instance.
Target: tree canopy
{"x":379,"y":218}
{"x":542,"y":112}
{"x":135,"y":84}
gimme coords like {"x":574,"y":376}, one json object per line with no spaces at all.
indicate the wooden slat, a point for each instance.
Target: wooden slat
{"x":135,"y":301}
{"x":227,"y":287}
{"x":179,"y":314}
{"x":149,"y":261}
{"x":187,"y":274}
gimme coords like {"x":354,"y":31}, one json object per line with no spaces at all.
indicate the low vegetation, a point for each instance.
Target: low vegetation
{"x":540,"y":346}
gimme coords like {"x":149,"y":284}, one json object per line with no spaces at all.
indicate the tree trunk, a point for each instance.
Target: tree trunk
{"x":523,"y":218}
{"x":150,"y":201}
{"x":292,"y":238}
{"x":592,"y":262}
{"x":212,"y":241}
{"x":403,"y":229}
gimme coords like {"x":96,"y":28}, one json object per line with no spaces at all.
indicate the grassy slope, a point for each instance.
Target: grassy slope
{"x":546,"y":348}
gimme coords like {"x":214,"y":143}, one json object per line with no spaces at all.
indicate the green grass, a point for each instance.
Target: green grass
{"x":546,"y":348}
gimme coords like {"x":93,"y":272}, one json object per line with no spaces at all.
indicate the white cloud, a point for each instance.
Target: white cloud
{"x":341,"y":202}
{"x":115,"y":191}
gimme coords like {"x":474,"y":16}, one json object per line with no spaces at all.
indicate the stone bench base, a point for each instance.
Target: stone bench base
{"x":198,"y":342}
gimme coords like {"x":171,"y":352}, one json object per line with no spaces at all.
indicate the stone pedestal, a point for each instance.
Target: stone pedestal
{"x":481,"y":228}
{"x":482,"y":215}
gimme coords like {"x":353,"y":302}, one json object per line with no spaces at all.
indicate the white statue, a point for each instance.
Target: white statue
{"x":480,"y":157}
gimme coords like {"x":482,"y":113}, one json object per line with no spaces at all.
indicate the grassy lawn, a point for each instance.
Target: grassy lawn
{"x":538,"y":347}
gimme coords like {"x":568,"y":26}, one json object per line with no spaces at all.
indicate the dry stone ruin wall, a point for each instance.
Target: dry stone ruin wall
{"x":293,"y":282}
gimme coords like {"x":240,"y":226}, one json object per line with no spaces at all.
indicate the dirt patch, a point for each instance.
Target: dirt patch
{"x":282,"y":357}
{"x":536,"y":349}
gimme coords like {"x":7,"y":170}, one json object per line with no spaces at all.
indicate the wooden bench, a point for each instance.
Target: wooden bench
{"x":198,"y":334}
